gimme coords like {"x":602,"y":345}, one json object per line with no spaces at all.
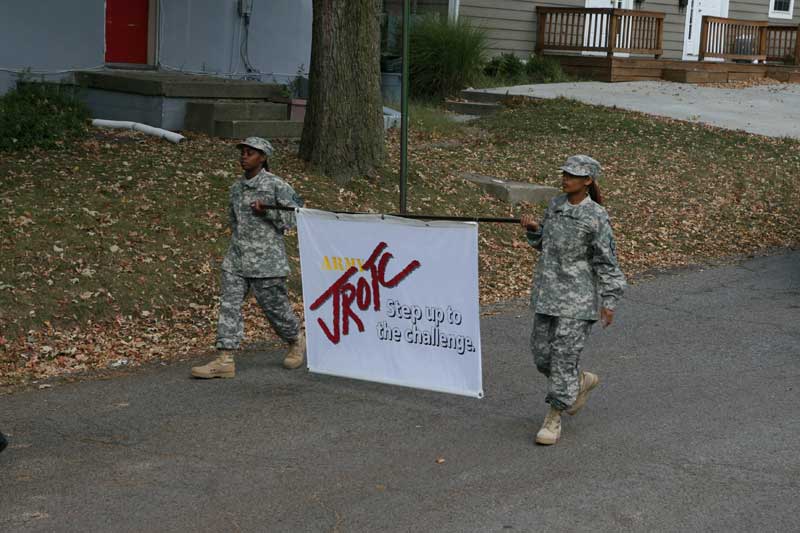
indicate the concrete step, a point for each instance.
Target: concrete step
{"x":513,"y":192}
{"x":476,"y":95}
{"x":472,"y":108}
{"x":271,"y":129}
{"x":174,"y":84}
{"x":201,"y":116}
{"x":251,"y":111}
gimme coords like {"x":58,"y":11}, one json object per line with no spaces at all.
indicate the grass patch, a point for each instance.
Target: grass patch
{"x":110,"y":248}
{"x":434,"y":120}
{"x":429,"y":117}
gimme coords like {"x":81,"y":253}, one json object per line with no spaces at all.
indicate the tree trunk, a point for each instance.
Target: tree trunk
{"x":343,"y":130}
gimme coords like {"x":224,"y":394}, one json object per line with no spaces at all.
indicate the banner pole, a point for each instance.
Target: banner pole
{"x":497,"y":220}
{"x":404,"y":109}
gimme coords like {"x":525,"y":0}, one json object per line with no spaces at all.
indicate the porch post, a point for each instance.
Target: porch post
{"x":703,"y":39}
{"x":540,"y":20}
{"x":762,"y":43}
{"x":797,"y":46}
{"x":660,"y":36}
{"x":611,"y":35}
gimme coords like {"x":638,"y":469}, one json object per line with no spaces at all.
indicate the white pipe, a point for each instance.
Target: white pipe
{"x":452,"y":9}
{"x":137,"y":126}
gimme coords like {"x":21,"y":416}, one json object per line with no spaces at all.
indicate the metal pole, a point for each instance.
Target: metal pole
{"x":498,"y":220}
{"x":404,"y":110}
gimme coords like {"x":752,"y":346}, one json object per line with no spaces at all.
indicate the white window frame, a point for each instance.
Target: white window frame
{"x":781,"y":14}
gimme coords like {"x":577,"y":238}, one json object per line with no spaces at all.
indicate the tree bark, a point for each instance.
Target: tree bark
{"x":343,"y":130}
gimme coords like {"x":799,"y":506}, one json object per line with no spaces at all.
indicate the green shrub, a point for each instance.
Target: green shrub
{"x":506,"y":66}
{"x":446,"y":55}
{"x":508,"y":69}
{"x":40,"y":114}
{"x":542,"y":69}
{"x":492,"y":68}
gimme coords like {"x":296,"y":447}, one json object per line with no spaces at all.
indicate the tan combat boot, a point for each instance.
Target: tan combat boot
{"x":588,"y":382}
{"x":551,"y":428}
{"x":221,"y":367}
{"x":296,"y":355}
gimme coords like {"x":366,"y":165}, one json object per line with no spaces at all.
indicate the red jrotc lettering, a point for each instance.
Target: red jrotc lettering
{"x":363,"y":293}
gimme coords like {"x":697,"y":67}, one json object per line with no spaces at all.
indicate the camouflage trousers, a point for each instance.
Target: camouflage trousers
{"x":273,"y":297}
{"x":556,"y":344}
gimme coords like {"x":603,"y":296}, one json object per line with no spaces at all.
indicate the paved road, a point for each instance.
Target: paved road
{"x":772,"y":110}
{"x":694,"y":428}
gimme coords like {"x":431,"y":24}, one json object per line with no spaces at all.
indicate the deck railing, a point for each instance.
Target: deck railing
{"x":783,"y":44}
{"x":725,"y":38}
{"x":748,"y":40}
{"x":601,"y":30}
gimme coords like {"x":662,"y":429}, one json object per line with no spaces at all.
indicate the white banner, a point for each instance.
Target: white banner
{"x":392,"y":300}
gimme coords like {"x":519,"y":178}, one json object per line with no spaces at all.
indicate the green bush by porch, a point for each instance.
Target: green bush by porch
{"x":40,"y":115}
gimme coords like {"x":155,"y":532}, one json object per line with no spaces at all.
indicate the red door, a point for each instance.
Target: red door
{"x":126,"y":31}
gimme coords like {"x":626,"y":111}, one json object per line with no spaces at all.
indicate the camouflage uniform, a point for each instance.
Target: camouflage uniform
{"x":556,"y":343}
{"x":577,"y":273}
{"x":256,"y":259}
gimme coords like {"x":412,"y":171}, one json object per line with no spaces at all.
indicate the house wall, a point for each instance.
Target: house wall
{"x":511,"y":24}
{"x":674,"y":25}
{"x":49,"y":35}
{"x":759,"y":10}
{"x":195,"y":35}
{"x":205,"y":36}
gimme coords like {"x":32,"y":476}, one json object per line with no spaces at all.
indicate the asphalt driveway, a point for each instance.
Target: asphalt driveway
{"x":772,"y":110}
{"x":694,"y":428}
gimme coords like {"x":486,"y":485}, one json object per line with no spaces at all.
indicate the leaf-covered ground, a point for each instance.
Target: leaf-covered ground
{"x":109,"y":249}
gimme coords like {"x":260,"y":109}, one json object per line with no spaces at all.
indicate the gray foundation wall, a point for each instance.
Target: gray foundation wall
{"x":159,"y":111}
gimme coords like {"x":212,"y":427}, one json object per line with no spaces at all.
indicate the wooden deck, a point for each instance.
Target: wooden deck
{"x":598,"y":44}
{"x":614,"y":69}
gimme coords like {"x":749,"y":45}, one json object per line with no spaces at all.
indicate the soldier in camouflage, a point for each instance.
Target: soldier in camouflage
{"x":256,"y":260}
{"x":577,"y":281}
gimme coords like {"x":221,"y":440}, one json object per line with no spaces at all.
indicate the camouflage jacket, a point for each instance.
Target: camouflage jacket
{"x":256,"y":249}
{"x":577,"y":272}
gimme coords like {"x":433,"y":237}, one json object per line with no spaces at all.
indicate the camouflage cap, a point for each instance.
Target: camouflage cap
{"x":582,"y":165}
{"x":259,"y":144}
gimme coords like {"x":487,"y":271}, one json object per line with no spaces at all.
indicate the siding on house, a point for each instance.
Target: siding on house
{"x":510,"y":24}
{"x":674,"y":26}
{"x":759,"y":10}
